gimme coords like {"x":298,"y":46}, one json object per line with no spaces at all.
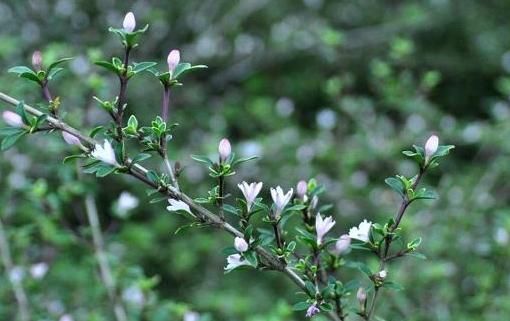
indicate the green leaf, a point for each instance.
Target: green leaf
{"x":141,"y":157}
{"x":58,"y":62}
{"x":202,"y":159}
{"x":108,"y":65}
{"x":243,"y":160}
{"x":10,"y":140}
{"x":133,"y":122}
{"x":300,"y":306}
{"x":139,"y":67}
{"x":20,"y":70}
{"x":95,"y":131}
{"x":53,"y":73}
{"x":393,"y":285}
{"x":20,"y":110}
{"x":105,"y":170}
{"x":73,"y":157}
{"x":7,"y":131}
{"x":251,"y":257}
{"x":397,"y":185}
{"x":326,"y":307}
{"x":30,"y":76}
{"x":425,"y":195}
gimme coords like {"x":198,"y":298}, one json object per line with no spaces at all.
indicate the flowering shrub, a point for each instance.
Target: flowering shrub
{"x":262,"y":237}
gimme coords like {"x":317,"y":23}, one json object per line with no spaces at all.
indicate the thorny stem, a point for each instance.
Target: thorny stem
{"x":387,"y":241}
{"x":19,"y":293}
{"x":201,"y":213}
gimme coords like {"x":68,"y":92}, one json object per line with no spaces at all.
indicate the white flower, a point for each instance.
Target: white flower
{"x":126,"y":203}
{"x":38,"y":270}
{"x":322,"y":227}
{"x":431,"y":146}
{"x":224,"y":149}
{"x":280,"y":199}
{"x":382,"y":274}
{"x":105,"y":153}
{"x":301,"y":189}
{"x":342,"y":245}
{"x":70,"y":139}
{"x":362,"y":232}
{"x":240,"y":244}
{"x":235,"y":261}
{"x":177,"y":205}
{"x":250,"y":192}
{"x":129,"y":22}
{"x":12,"y":119}
{"x":173,"y":59}
{"x":191,"y":316}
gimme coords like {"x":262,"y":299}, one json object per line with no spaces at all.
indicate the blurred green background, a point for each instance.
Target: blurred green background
{"x":328,"y":89}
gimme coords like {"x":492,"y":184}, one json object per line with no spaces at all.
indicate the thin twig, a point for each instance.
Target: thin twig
{"x":19,"y":292}
{"x":102,"y":259}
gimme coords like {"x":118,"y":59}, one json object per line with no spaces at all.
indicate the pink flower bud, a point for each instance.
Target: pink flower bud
{"x":361,"y":295}
{"x":240,"y":244}
{"x":342,"y":245}
{"x":301,"y":189}
{"x":129,"y":22}
{"x":224,"y":149}
{"x":12,"y":119}
{"x":173,"y":59}
{"x":431,"y":146}
{"x":70,"y":139}
{"x":37,"y":60}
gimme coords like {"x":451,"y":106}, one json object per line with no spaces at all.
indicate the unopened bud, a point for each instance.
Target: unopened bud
{"x":240,"y":244}
{"x":173,"y":59}
{"x":224,"y":149}
{"x":361,"y":295}
{"x":12,"y":119}
{"x":37,"y":60}
{"x":431,"y":146}
{"x":70,"y":139}
{"x":342,"y":245}
{"x":301,"y":189}
{"x":129,"y":22}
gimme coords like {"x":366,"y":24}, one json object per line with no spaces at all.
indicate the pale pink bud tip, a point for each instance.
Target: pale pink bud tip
{"x":173,"y":59}
{"x":37,"y":60}
{"x":361,"y":295}
{"x":129,"y":22}
{"x":70,"y":139}
{"x":224,"y":149}
{"x":12,"y":119}
{"x":431,"y":146}
{"x":301,"y":189}
{"x":240,"y":244}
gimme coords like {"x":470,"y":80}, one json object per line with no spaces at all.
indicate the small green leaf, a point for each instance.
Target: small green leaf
{"x":10,"y":140}
{"x":397,"y":185}
{"x":58,"y":62}
{"x":20,"y":70}
{"x":202,"y":159}
{"x":139,"y":67}
{"x":300,"y":306}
